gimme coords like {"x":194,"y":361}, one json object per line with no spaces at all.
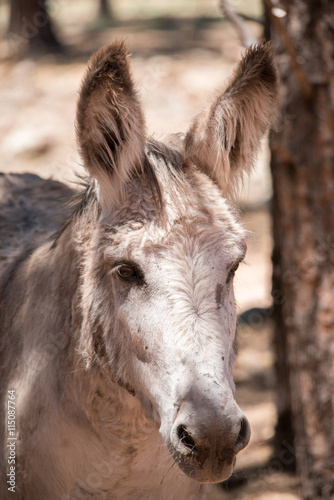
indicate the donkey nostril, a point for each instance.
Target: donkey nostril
{"x":244,"y":435}
{"x":186,"y":438}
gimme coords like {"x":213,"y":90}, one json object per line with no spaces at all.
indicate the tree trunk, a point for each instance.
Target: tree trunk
{"x":30,"y":27}
{"x":105,"y":9}
{"x":303,"y":225}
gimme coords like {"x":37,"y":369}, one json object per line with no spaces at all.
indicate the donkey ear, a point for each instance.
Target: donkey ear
{"x":224,"y":139}
{"x":110,"y":123}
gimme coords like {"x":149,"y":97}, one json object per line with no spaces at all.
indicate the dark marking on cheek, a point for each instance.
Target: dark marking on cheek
{"x":127,"y":387}
{"x":143,"y":354}
{"x":98,"y":342}
{"x":219,"y":294}
{"x":235,"y":345}
{"x":140,"y":350}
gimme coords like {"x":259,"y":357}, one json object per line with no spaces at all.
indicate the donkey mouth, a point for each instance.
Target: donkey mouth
{"x":207,"y":453}
{"x":204,"y":465}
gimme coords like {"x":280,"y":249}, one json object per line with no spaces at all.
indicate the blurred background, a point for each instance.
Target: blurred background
{"x":181,"y":51}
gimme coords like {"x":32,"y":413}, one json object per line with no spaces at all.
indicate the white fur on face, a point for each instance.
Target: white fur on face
{"x":170,"y":336}
{"x":184,"y":313}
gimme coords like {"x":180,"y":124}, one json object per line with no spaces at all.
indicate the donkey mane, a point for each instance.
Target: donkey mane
{"x":81,"y":202}
{"x":158,"y":155}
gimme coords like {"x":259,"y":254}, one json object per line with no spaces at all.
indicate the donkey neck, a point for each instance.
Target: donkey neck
{"x":132,"y":460}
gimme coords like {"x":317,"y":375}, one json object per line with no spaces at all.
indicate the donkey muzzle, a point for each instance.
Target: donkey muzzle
{"x":204,"y":443}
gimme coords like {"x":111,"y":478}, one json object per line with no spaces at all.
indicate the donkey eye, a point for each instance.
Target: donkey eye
{"x":232,"y":272}
{"x":127,"y":273}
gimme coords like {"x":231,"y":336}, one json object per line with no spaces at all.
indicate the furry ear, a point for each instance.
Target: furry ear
{"x":110,"y":123}
{"x":224,"y":139}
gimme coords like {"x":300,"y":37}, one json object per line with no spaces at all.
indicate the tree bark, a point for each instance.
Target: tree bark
{"x":30,"y":27}
{"x":105,"y":9}
{"x":303,"y":228}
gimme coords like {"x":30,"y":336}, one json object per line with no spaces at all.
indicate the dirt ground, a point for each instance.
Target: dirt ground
{"x":177,"y":63}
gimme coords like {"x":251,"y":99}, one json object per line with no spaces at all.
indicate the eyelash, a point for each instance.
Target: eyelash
{"x":232,"y":272}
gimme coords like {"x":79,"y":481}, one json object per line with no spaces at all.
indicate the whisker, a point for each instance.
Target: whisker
{"x":164,"y":476}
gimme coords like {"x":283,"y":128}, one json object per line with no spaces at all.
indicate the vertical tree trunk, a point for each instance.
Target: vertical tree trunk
{"x":30,"y":27}
{"x":303,"y":225}
{"x":105,"y":9}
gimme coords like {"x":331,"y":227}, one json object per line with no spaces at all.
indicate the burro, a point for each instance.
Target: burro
{"x":118,"y":320}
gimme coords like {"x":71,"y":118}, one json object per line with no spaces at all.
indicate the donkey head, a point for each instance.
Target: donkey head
{"x":159,"y":312}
